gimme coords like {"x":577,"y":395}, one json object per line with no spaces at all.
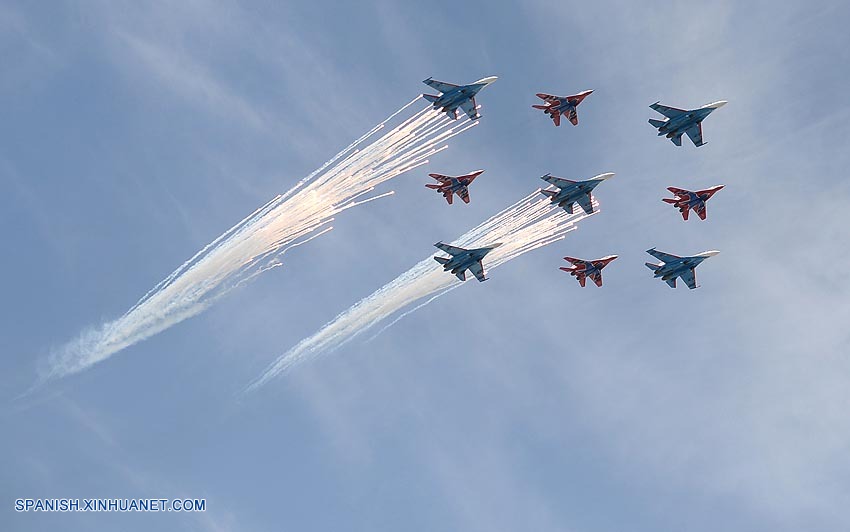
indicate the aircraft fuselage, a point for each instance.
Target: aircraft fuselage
{"x":673,"y":269}
{"x":676,"y":126}
{"x":463,"y":261}
{"x":453,"y":99}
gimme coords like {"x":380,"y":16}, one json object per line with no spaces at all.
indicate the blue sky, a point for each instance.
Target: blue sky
{"x":134,"y":136}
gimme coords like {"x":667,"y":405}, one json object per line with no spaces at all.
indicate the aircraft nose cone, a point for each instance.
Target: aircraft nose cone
{"x":488,"y":80}
{"x":709,"y":253}
{"x":604,"y":176}
{"x":717,"y":105}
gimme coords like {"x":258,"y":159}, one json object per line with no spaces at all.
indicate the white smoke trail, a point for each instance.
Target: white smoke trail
{"x":528,"y":224}
{"x":256,"y":244}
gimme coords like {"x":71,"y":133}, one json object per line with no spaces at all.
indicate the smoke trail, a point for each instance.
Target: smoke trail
{"x":255,"y":244}
{"x":528,"y":224}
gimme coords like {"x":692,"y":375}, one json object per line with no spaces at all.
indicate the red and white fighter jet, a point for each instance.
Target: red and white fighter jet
{"x":582,"y":269}
{"x":686,"y":200}
{"x":454,"y":185}
{"x":562,"y":105}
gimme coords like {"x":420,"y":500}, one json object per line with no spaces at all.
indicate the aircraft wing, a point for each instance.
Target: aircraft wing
{"x":700,"y":209}
{"x":573,"y":117}
{"x":548,"y":97}
{"x":559,"y":182}
{"x":441,"y":86}
{"x":674,"y":190}
{"x":669,"y":112}
{"x":463,"y":193}
{"x":556,"y":117}
{"x":663,"y":257}
{"x":690,"y":278}
{"x":451,"y":250}
{"x":597,"y":277}
{"x":440,"y":177}
{"x":477,"y":270}
{"x":471,"y":109}
{"x":585,"y":202}
{"x":448,"y":195}
{"x":695,"y":134}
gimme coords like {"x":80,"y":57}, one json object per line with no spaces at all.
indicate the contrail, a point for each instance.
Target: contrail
{"x":528,"y":224}
{"x":256,"y":243}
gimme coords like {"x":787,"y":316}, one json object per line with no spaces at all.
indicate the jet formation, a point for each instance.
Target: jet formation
{"x":676,"y":123}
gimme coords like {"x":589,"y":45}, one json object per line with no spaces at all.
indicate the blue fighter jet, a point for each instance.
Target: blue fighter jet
{"x":573,"y":191}
{"x":681,"y":121}
{"x":464,"y":259}
{"x":453,"y":96}
{"x":674,"y":266}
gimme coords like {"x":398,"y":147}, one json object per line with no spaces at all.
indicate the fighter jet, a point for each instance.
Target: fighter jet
{"x":686,"y":200}
{"x":454,"y":185}
{"x":683,"y":121}
{"x":558,"y":105}
{"x":582,"y":269}
{"x":464,"y":259}
{"x":454,"y":96}
{"x":573,"y":191}
{"x":674,"y":266}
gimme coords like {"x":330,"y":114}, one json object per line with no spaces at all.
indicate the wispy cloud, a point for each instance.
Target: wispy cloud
{"x":193,"y":81}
